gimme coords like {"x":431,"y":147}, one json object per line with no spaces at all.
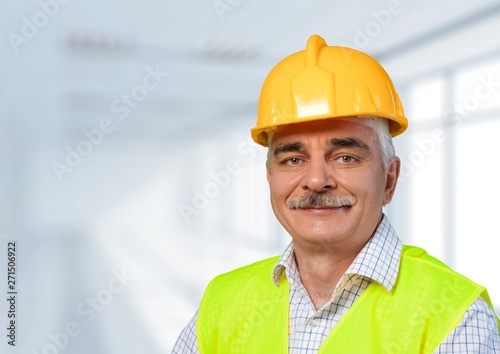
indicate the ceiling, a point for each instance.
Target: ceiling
{"x":216,"y":54}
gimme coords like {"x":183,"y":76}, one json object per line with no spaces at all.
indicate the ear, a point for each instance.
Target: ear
{"x":391,"y":180}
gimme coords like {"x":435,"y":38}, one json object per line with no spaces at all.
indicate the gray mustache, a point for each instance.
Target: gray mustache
{"x":320,"y":200}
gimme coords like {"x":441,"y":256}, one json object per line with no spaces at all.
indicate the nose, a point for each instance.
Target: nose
{"x":318,"y":176}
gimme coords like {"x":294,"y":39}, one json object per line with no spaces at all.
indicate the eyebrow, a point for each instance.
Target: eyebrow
{"x":349,"y":142}
{"x":288,"y":147}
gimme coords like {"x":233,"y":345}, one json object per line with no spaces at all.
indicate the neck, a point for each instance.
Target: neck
{"x":321,"y":268}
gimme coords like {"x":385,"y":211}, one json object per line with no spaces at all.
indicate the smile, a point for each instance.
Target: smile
{"x":324,"y":209}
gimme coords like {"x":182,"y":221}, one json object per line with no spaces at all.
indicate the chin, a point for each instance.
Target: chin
{"x":321,"y":234}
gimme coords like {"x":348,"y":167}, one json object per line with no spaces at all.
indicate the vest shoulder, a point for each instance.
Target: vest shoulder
{"x":419,"y":258}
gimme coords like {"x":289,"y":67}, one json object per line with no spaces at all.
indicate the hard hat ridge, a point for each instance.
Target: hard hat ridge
{"x":313,"y":46}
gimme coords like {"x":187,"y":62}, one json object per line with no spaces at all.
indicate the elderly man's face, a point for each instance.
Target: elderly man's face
{"x":327,"y":181}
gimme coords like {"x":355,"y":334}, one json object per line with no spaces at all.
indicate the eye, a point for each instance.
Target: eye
{"x":292,"y":161}
{"x":346,"y":159}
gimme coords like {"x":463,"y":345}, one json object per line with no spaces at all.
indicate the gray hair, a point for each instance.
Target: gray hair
{"x":388,"y":151}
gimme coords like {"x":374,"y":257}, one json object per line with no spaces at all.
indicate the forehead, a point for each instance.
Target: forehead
{"x":323,"y":131}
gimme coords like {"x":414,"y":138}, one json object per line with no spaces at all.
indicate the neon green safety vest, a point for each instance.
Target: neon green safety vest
{"x":243,"y":311}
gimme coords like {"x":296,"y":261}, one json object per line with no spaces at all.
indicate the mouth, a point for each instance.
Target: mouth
{"x":324,"y":209}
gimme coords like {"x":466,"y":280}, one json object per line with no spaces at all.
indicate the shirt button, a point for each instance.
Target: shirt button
{"x":313,"y":323}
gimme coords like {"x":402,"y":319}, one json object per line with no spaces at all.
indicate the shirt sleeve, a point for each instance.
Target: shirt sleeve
{"x":476,"y":334}
{"x":186,"y":343}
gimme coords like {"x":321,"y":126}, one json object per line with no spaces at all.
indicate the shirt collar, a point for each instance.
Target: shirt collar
{"x":378,"y":260}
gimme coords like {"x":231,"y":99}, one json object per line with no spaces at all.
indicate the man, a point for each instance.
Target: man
{"x":345,"y":284}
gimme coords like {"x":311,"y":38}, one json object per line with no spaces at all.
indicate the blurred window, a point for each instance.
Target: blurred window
{"x":449,"y":175}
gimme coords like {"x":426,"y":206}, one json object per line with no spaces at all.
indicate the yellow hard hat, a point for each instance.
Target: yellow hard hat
{"x":324,"y":82}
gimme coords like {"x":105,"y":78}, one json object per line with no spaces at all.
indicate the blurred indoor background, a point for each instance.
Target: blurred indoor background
{"x":128,"y":178}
